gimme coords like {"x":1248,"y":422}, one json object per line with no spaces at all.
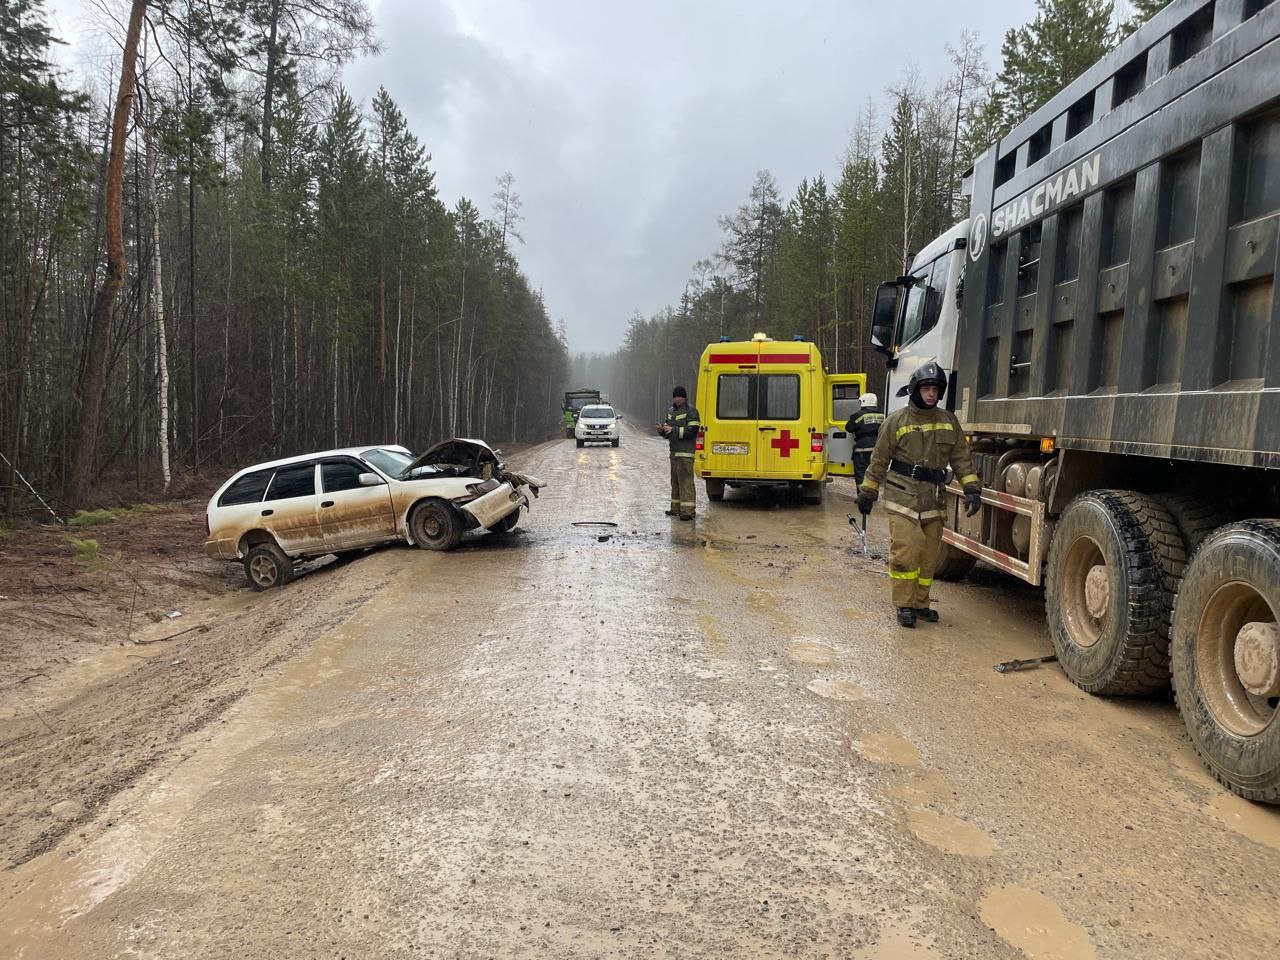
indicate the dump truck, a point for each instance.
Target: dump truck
{"x":575,"y":400}
{"x":1109,"y":322}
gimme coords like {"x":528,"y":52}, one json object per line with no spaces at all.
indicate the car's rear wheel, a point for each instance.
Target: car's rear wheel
{"x":436,"y":525}
{"x":582,"y":443}
{"x":616,"y":442}
{"x":266,"y":566}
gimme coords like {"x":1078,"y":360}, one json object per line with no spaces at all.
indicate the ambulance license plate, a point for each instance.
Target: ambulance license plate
{"x":737,"y":449}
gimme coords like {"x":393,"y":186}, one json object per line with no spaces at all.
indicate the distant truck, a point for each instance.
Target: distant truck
{"x":1109,"y":320}
{"x":772,"y":416}
{"x":574,"y":401}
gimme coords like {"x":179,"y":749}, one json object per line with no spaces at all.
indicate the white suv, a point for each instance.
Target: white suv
{"x":341,"y":501}
{"x":597,"y":423}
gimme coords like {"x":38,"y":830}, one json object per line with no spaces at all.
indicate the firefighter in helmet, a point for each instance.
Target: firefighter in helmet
{"x":916,"y":445}
{"x":681,"y":427}
{"x":865,"y":427}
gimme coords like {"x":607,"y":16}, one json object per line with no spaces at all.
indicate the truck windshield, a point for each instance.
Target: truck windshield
{"x":597,"y":413}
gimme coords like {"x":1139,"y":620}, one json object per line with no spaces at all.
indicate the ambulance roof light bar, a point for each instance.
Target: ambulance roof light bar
{"x":762,"y":338}
{"x":797,"y":339}
{"x":726,"y":339}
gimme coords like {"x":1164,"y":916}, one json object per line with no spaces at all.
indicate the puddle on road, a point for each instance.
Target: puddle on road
{"x":811,"y":652}
{"x":1033,"y":923}
{"x":950,"y":834}
{"x":710,"y":627}
{"x":886,"y":748}
{"x":770,"y":605}
{"x":921,"y":791}
{"x":897,"y":942}
{"x":846,"y":691}
{"x":1257,"y":823}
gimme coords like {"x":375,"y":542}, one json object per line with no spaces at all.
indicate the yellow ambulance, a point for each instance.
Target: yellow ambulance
{"x":771,"y":415}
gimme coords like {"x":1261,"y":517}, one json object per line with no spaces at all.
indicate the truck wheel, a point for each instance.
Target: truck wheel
{"x":811,"y":490}
{"x":715,"y":489}
{"x":1226,"y":657}
{"x":435,"y":525}
{"x":953,"y":564}
{"x":1113,"y":567}
{"x":266,"y":566}
{"x":1194,"y":516}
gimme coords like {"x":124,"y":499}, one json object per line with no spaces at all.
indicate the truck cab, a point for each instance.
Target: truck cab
{"x":917,"y":317}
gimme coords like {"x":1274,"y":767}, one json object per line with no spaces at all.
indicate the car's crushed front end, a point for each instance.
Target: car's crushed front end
{"x":491,"y":495}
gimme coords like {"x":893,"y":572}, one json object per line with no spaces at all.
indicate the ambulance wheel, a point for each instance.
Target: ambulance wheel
{"x":811,"y":490}
{"x":1112,"y":573}
{"x":1226,"y":657}
{"x":715,"y":489}
{"x":953,"y":564}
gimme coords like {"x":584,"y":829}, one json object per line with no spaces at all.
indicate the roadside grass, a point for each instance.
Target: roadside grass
{"x":91,"y":518}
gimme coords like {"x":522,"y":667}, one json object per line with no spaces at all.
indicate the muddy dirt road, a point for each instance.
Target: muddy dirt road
{"x":659,"y":739}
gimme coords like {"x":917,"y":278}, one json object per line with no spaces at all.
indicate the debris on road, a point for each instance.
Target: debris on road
{"x":1009,"y":666}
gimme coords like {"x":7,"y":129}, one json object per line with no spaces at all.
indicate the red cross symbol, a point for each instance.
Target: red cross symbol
{"x":784,"y":443}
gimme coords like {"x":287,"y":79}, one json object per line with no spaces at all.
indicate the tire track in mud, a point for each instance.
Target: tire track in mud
{"x":110,"y":735}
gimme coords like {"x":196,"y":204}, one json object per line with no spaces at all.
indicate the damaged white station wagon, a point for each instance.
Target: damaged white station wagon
{"x":341,"y":501}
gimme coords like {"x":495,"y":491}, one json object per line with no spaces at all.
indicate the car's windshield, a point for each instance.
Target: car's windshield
{"x":597,"y":413}
{"x":390,"y":462}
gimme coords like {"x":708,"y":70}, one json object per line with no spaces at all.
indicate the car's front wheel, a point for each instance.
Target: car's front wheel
{"x":436,"y":525}
{"x":266,"y":566}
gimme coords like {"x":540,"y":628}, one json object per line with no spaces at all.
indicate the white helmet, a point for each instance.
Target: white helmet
{"x":869,"y":401}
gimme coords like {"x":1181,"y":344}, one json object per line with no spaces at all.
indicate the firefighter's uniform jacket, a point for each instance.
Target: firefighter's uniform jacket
{"x":685,"y":425}
{"x":865,"y":427}
{"x":930,"y":440}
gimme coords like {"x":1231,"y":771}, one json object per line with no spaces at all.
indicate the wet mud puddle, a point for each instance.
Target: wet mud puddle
{"x":1034,"y":924}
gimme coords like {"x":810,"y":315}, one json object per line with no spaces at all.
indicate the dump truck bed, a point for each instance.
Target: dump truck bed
{"x":1120,"y":287}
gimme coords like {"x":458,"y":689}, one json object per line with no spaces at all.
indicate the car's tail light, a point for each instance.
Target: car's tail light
{"x":816,"y":440}
{"x":701,"y":442}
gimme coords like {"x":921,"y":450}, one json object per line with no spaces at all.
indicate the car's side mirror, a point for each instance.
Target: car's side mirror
{"x":370,"y":480}
{"x":883,"y":317}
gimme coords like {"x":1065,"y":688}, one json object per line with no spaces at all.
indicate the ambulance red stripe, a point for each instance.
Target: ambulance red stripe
{"x":762,"y":358}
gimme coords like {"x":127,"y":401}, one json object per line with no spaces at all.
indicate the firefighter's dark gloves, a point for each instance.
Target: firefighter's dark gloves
{"x":865,"y":502}
{"x":972,"y":502}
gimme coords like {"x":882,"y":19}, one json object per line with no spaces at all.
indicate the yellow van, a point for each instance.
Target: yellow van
{"x":772,"y":415}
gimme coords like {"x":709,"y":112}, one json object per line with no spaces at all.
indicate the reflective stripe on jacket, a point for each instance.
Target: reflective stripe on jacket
{"x":685,"y":424}
{"x":926,"y":438}
{"x":865,"y":427}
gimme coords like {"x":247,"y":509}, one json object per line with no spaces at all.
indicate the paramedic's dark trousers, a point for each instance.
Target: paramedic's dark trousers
{"x":683,"y":499}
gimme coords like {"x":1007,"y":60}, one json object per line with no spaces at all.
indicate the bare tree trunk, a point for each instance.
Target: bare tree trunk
{"x":98,"y":348}
{"x":157,"y":311}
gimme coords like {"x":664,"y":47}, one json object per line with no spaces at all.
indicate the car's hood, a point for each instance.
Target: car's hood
{"x":599,"y":423}
{"x":458,"y":451}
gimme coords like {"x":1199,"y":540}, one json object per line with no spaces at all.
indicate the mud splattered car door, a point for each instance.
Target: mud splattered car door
{"x":354,"y":514}
{"x":289,"y":510}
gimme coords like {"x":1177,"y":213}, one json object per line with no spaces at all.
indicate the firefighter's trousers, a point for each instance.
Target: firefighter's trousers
{"x":913,"y":554}
{"x":860,"y":463}
{"x":684,"y":500}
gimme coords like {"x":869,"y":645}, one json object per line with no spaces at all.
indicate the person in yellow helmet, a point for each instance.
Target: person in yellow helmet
{"x":915,"y":446}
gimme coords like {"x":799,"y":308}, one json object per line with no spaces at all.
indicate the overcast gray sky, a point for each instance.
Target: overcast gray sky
{"x":631,"y":127}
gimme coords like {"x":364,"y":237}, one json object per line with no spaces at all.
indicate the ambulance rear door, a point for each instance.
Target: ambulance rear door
{"x":731,"y":439}
{"x":785,"y":412}
{"x":842,"y":393}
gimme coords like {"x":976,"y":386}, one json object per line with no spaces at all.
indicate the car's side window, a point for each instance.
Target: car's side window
{"x":298,"y":480}
{"x":338,"y":475}
{"x":248,"y":489}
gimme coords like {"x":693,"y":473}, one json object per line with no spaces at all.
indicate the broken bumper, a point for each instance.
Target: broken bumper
{"x":496,"y":504}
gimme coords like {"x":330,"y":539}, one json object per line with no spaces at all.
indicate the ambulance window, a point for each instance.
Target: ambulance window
{"x":779,"y":396}
{"x":733,"y":396}
{"x":844,"y":401}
